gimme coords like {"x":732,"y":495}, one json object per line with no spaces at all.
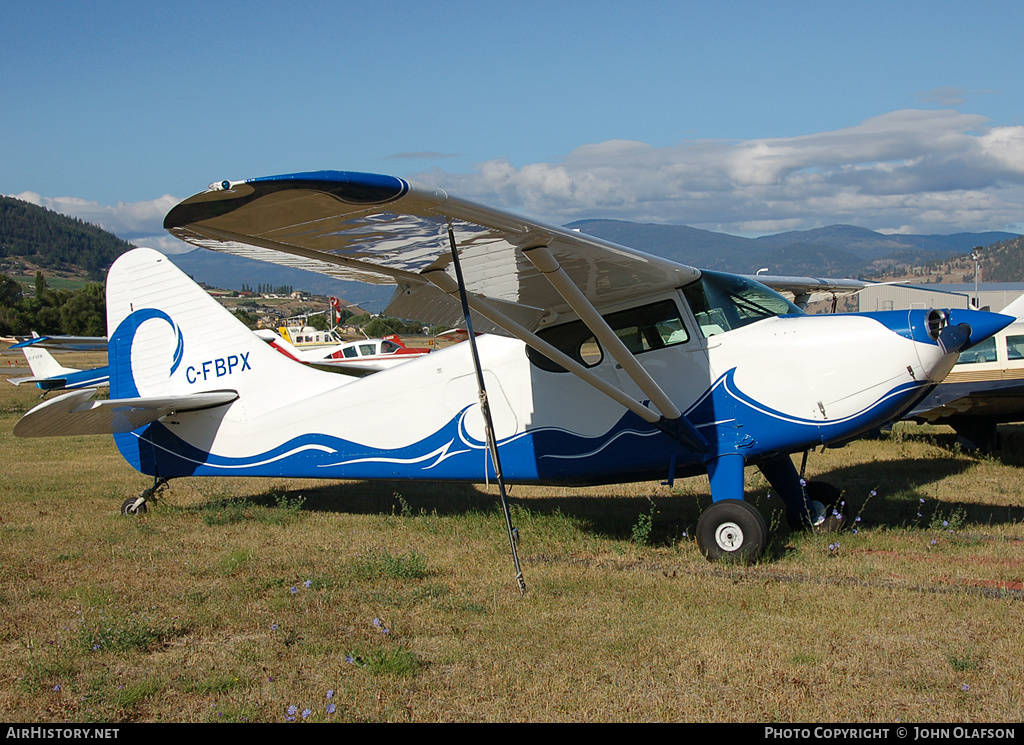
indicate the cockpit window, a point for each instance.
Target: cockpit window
{"x":722,"y":302}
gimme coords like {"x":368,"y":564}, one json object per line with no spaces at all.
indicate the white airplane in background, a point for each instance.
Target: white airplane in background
{"x":599,"y":363}
{"x":984,"y":389}
{"x":50,"y":375}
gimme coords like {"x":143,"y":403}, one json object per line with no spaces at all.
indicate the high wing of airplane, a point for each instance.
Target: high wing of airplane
{"x":50,"y":375}
{"x":601,"y":364}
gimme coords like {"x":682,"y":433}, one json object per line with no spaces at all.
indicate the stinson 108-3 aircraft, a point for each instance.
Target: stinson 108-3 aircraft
{"x":595,"y":363}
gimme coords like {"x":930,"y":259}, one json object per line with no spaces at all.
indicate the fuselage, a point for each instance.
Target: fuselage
{"x":777,"y":384}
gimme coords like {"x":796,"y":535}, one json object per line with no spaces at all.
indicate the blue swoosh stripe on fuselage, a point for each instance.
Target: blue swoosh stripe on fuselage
{"x":544,"y":455}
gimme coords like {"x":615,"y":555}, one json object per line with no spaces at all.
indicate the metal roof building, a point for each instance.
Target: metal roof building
{"x":992,"y":296}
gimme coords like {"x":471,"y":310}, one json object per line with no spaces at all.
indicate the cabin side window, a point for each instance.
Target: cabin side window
{"x":1015,"y":347}
{"x":641,"y":329}
{"x":982,"y":352}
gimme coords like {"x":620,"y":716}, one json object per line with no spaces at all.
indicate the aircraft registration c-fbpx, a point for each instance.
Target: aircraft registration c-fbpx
{"x":600,"y":364}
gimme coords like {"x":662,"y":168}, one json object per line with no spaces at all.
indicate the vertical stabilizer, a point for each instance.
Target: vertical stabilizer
{"x":169,"y":337}
{"x":43,"y":364}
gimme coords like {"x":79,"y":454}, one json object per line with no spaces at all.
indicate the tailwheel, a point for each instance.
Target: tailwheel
{"x":133,"y":506}
{"x":732,"y":530}
{"x":137,"y":505}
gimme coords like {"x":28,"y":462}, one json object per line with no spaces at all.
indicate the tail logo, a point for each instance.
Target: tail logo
{"x":120,"y":349}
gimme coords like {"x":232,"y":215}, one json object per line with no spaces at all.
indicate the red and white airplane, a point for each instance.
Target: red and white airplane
{"x":361,"y":357}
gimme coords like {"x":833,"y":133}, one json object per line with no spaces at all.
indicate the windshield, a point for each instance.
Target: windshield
{"x":722,"y":302}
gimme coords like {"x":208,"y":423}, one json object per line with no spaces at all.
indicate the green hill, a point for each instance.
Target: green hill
{"x":53,"y":242}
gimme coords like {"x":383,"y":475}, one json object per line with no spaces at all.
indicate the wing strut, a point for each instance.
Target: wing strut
{"x":485,"y":409}
{"x":446,"y":284}
{"x":672,"y":420}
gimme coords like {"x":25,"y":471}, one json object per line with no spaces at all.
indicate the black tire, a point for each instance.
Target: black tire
{"x":129,"y":509}
{"x":732,"y":530}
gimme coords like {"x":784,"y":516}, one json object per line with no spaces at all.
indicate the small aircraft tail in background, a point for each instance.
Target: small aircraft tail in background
{"x":50,"y":375}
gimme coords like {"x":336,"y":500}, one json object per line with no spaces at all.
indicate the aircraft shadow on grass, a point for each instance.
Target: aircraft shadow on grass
{"x":607,"y":513}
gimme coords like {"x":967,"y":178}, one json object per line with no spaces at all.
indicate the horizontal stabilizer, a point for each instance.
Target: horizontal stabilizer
{"x":75,"y":413}
{"x":47,"y":382}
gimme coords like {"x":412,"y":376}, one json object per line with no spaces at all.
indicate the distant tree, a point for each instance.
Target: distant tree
{"x":249,"y":319}
{"x":85,"y":312}
{"x":10,"y":291}
{"x":319,"y":321}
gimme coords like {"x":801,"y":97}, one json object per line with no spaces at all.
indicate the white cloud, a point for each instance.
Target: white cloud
{"x":125,"y":219}
{"x":912,"y":171}
{"x":905,"y":171}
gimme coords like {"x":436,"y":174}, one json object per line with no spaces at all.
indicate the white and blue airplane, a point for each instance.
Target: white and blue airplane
{"x":49,"y":375}
{"x":599,"y":363}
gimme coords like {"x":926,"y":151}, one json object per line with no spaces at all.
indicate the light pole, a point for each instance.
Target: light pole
{"x":976,"y":258}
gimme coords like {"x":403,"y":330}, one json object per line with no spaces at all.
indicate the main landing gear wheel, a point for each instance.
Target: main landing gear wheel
{"x":133,"y":506}
{"x":732,"y":530}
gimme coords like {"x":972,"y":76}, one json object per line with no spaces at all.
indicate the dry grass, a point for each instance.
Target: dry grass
{"x":236,"y":599}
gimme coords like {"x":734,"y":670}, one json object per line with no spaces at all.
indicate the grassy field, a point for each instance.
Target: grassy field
{"x":256,"y":600}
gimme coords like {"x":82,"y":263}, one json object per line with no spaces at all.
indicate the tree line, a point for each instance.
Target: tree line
{"x":73,"y":312}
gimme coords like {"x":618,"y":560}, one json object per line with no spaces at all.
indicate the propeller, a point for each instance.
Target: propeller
{"x":952,"y":339}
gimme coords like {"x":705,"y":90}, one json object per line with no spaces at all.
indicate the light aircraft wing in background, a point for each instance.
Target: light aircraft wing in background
{"x":803,"y":290}
{"x":78,"y":343}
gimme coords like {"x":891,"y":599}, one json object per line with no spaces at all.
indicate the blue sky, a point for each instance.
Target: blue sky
{"x":744,"y":117}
